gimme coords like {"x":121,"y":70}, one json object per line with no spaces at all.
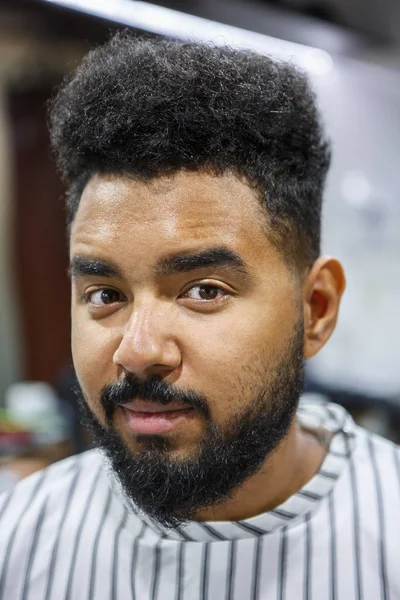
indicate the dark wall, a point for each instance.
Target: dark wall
{"x":40,"y":249}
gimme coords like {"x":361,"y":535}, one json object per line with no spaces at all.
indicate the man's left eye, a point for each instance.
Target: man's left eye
{"x":205,"y":293}
{"x":102,"y":297}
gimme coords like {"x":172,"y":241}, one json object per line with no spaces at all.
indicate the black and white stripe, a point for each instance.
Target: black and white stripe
{"x":67,"y":533}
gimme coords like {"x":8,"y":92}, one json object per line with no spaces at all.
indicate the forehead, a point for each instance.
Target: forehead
{"x":182,"y":211}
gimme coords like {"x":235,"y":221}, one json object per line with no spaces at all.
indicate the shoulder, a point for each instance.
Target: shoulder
{"x":52,"y":479}
{"x":21,"y":507}
{"x":40,"y":507}
{"x":376,"y":450}
{"x":376,"y":467}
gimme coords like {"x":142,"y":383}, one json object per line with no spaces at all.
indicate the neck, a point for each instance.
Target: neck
{"x":296,"y":460}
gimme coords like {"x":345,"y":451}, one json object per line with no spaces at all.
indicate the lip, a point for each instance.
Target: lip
{"x":154,"y":422}
{"x":151,"y":407}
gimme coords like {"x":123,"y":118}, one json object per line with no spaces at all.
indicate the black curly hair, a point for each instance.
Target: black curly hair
{"x":150,"y":107}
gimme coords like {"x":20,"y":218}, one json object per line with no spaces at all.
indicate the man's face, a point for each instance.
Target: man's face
{"x":187,"y":330}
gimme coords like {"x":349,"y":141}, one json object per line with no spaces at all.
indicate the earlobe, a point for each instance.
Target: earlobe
{"x":322,"y":292}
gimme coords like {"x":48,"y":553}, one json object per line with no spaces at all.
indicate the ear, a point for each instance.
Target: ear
{"x":322,"y":291}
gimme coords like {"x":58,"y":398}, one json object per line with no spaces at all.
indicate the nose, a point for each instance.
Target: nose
{"x":146,"y":347}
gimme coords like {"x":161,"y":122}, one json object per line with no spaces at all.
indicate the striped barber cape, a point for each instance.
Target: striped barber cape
{"x":68,"y":533}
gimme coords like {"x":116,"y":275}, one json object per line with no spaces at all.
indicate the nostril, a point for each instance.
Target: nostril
{"x":147,"y":357}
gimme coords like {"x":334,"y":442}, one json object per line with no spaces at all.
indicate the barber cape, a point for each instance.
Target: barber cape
{"x":68,"y":533}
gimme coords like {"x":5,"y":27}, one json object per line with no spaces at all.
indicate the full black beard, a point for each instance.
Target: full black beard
{"x":172,"y":491}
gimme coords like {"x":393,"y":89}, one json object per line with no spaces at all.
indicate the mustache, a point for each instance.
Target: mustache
{"x":153,"y":389}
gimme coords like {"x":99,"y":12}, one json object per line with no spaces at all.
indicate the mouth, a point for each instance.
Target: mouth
{"x":152,"y":419}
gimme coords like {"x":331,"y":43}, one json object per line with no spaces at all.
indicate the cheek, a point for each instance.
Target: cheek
{"x":236,"y":353}
{"x":92,"y":352}
{"x":245,"y":331}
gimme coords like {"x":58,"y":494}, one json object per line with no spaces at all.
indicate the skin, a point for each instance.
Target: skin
{"x":158,"y":324}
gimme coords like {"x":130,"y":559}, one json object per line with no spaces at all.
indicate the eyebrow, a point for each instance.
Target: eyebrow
{"x":81,"y":266}
{"x":219,"y":258}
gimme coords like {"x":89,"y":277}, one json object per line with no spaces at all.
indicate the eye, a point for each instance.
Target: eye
{"x":103,"y":296}
{"x":205,"y":293}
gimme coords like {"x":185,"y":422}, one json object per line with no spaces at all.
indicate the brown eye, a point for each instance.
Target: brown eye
{"x":103,"y":297}
{"x":208,"y":292}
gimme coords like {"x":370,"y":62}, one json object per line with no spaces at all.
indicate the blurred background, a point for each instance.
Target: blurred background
{"x":351,"y":49}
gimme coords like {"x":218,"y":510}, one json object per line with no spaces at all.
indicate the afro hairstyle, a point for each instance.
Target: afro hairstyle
{"x":150,"y":107}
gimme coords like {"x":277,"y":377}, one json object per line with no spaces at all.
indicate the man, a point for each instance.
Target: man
{"x":195,"y":179}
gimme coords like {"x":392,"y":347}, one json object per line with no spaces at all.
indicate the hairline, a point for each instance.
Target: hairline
{"x":296,"y":267}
